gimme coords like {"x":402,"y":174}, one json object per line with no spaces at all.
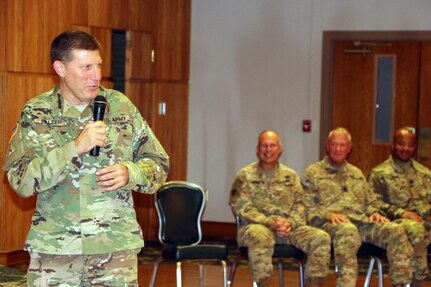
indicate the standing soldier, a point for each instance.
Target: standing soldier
{"x":405,"y":186}
{"x":267,"y":197}
{"x":338,"y":200}
{"x":84,"y":230}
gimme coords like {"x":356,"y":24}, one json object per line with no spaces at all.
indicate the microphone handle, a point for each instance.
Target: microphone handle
{"x":95,"y":151}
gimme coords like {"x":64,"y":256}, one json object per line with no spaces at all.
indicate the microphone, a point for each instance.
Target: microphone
{"x":98,"y":113}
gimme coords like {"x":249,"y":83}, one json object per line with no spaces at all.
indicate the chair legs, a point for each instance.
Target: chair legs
{"x":179,"y":277}
{"x":280,"y":272}
{"x":179,"y":273}
{"x":370,"y":271}
{"x":153,"y":276}
{"x":224,"y":273}
{"x":201,"y":273}
{"x":233,"y":270}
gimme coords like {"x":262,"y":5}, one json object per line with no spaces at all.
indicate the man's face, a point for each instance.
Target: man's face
{"x":80,"y":77}
{"x":338,"y":148}
{"x":404,"y":146}
{"x":269,"y":150}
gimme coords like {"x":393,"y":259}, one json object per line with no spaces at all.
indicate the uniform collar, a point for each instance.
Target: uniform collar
{"x":332,"y":168}
{"x":401,"y":167}
{"x":60,"y":107}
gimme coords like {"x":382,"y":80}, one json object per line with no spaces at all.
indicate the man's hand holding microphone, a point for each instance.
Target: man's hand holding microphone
{"x":91,"y":139}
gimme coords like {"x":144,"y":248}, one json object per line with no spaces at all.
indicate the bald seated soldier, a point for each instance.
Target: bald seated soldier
{"x":405,"y":186}
{"x":338,"y":200}
{"x":267,"y":197}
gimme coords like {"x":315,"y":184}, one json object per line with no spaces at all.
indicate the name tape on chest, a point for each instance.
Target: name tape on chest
{"x":61,"y":122}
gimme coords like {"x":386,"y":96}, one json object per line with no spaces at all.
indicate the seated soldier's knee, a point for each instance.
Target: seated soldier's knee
{"x":347,"y":229}
{"x":347,"y":237}
{"x":322,"y":237}
{"x":257,"y":235}
{"x":394,"y":230}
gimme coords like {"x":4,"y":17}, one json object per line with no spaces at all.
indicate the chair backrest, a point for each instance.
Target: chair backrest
{"x":179,"y":206}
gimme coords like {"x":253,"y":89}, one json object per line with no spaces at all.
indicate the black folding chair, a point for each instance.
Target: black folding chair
{"x":179,"y":207}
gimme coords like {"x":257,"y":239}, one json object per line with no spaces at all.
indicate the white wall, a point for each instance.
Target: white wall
{"x":255,"y":65}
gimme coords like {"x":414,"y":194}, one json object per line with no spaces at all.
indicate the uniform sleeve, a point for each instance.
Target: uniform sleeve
{"x":297,"y":214}
{"x":373,"y":203}
{"x":149,"y":169}
{"x":378,"y":187}
{"x":316,"y":212}
{"x":31,"y":171}
{"x":241,"y":204}
{"x":423,"y":206}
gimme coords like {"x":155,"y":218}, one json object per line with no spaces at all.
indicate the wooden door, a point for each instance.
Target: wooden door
{"x":357,"y":72}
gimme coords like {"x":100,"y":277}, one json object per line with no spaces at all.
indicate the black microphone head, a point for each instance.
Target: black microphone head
{"x":99,"y":108}
{"x":100,"y":101}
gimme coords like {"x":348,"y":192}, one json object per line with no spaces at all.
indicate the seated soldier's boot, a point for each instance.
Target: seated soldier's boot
{"x":315,"y":282}
{"x":264,"y":282}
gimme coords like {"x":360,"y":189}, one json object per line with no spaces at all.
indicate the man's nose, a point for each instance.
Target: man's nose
{"x":96,"y":74}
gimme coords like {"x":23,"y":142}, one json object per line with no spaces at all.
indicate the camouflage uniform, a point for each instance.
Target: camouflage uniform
{"x":331,"y":189}
{"x":257,"y":199}
{"x":73,"y":215}
{"x":122,"y":266}
{"x":407,"y":187}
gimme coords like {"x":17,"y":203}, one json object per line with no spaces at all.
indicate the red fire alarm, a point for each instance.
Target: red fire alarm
{"x":306,"y":126}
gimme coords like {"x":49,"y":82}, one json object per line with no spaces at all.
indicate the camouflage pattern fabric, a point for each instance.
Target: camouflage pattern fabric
{"x":344,"y":189}
{"x":407,"y":187}
{"x":258,"y":200}
{"x":73,"y":215}
{"x":108,"y":270}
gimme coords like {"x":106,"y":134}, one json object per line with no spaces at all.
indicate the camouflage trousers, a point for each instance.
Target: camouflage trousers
{"x":111,"y":269}
{"x":419,"y":238}
{"x":347,"y":238}
{"x":260,"y":243}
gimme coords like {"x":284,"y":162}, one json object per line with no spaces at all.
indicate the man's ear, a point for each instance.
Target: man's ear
{"x":59,"y":68}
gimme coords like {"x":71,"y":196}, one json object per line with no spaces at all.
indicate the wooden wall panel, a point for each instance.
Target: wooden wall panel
{"x":139,"y":48}
{"x":28,"y":49}
{"x":3,"y":134}
{"x":3,"y":29}
{"x":172,"y":43}
{"x":122,"y":14}
{"x":171,"y":129}
{"x":79,"y":12}
{"x":139,"y":93}
{"x":424,"y":115}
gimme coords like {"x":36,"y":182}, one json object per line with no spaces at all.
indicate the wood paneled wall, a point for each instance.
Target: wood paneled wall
{"x":27,"y":28}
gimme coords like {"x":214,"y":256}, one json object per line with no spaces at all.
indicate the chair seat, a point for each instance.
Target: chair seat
{"x":368,"y":249}
{"x":195,"y":252}
{"x":287,"y":251}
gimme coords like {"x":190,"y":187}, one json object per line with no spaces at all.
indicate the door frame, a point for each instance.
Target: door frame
{"x":329,"y":37}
